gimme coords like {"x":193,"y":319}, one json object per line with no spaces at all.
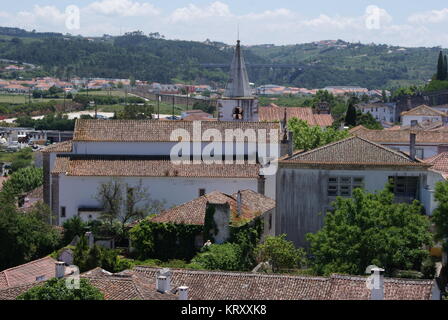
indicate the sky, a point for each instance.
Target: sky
{"x":280,"y":22}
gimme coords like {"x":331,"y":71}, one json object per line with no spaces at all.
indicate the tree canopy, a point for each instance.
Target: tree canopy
{"x":370,"y":229}
{"x":56,"y":289}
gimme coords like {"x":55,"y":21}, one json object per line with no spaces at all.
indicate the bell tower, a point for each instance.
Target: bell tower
{"x":238,"y":102}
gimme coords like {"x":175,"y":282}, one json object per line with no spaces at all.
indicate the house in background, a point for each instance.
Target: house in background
{"x":428,"y":144}
{"x":382,"y":112}
{"x":308,"y":182}
{"x":423,"y":114}
{"x":276,"y":113}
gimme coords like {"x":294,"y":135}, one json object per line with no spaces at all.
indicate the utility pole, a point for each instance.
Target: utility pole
{"x":173,"y":106}
{"x":158,"y":106}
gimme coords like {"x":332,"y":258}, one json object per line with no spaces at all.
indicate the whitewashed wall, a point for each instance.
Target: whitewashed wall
{"x":406,"y":120}
{"x":76,"y":192}
{"x":429,"y":151}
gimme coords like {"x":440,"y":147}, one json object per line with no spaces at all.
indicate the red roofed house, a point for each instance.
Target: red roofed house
{"x":276,"y":113}
{"x":229,"y":210}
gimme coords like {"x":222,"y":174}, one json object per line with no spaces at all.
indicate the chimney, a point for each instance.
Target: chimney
{"x":377,"y":284}
{"x":90,"y":239}
{"x":60,"y":269}
{"x":163,"y":280}
{"x":183,"y":293}
{"x":162,"y":284}
{"x":239,"y":202}
{"x":412,"y":150}
{"x":290,"y":143}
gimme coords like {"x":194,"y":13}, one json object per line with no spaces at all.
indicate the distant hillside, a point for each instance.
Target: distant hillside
{"x":152,"y":58}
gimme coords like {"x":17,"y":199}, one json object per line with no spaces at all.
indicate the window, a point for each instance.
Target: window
{"x":201,"y":192}
{"x":238,"y":113}
{"x":343,"y":186}
{"x":62,"y":212}
{"x":40,"y":278}
{"x":405,"y":188}
{"x":270,"y":221}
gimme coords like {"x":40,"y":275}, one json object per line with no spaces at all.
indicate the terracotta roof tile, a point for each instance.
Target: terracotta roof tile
{"x":153,"y":130}
{"x":214,"y":285}
{"x":28,"y":272}
{"x":65,"y":146}
{"x":276,"y":113}
{"x":193,"y":212}
{"x":439,"y":163}
{"x":130,"y":166}
{"x":424,"y":110}
{"x":354,"y":150}
{"x":401,"y":136}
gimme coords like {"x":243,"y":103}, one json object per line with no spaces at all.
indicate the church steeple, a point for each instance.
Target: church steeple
{"x":238,"y":85}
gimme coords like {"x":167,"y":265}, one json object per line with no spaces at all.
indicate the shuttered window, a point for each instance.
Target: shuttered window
{"x":344,"y":186}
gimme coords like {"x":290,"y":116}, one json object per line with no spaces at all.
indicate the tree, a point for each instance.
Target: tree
{"x":22,"y":181}
{"x":350,"y":118}
{"x":126,"y":203}
{"x":25,"y":236}
{"x":308,"y":138}
{"x":370,"y":229}
{"x":445,"y":69}
{"x":219,"y":257}
{"x":440,"y":67}
{"x":280,"y":253}
{"x":440,"y":214}
{"x":56,"y":289}
{"x":73,"y":227}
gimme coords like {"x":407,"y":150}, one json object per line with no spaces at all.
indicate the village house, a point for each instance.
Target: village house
{"x":238,"y":209}
{"x":382,"y":112}
{"x":423,"y":114}
{"x":308,"y":182}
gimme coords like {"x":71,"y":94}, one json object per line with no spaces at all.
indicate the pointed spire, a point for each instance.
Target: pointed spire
{"x":238,"y":85}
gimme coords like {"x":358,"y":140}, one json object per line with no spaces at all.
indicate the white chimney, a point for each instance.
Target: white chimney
{"x":162,"y":284}
{"x":377,"y":284}
{"x":183,"y":293}
{"x":60,"y":269}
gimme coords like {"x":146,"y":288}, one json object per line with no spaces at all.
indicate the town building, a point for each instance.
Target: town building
{"x":135,"y":151}
{"x":382,"y":112}
{"x":308,"y":182}
{"x":276,"y":113}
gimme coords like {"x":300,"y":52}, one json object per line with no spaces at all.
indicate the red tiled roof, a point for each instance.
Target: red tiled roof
{"x":65,"y":146}
{"x":129,"y":166}
{"x":213,"y":285}
{"x":401,"y":136}
{"x":424,"y":110}
{"x":275,"y":113}
{"x":193,"y":212}
{"x":154,"y":130}
{"x":439,"y":163}
{"x":354,"y":151}
{"x":27,"y":273}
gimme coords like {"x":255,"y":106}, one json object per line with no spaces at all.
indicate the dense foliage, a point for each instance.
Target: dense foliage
{"x":280,"y":253}
{"x":56,"y":289}
{"x":371,"y":229}
{"x":23,"y":181}
{"x":49,"y":122}
{"x":307,"y":137}
{"x":25,"y":236}
{"x":219,"y":257}
{"x":164,"y":241}
{"x":440,"y":214}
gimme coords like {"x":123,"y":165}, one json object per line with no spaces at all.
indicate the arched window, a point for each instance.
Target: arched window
{"x":238,"y":113}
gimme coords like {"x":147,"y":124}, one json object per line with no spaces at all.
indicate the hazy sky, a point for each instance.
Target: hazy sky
{"x":397,"y":22}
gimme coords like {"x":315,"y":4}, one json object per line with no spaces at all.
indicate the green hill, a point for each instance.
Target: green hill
{"x":316,"y":65}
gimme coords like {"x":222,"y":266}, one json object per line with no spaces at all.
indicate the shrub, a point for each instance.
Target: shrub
{"x":219,"y":257}
{"x":56,"y":289}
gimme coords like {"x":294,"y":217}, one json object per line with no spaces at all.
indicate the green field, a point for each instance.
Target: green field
{"x":114,"y":93}
{"x":164,"y":108}
{"x":21,"y":99}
